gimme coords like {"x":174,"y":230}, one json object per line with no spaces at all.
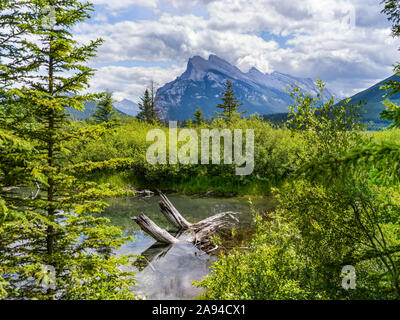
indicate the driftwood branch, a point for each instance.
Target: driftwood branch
{"x":203,"y":230}
{"x":172,"y":215}
{"x":8,"y":189}
{"x":155,"y":231}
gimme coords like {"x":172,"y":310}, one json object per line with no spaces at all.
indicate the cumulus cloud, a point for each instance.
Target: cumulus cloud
{"x":345,"y":42}
{"x":120,"y":4}
{"x":130,"y":82}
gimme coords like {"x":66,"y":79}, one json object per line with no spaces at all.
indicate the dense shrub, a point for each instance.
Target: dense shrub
{"x":276,"y":156}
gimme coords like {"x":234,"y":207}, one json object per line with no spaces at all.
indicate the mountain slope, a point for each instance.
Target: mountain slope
{"x":128,"y":107}
{"x":124,"y":108}
{"x":204,"y":80}
{"x":373,"y":97}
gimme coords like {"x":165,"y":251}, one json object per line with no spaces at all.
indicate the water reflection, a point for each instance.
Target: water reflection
{"x":164,"y":271}
{"x":156,"y":251}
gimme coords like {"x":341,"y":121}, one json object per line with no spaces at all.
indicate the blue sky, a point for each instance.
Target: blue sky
{"x":344,"y":42}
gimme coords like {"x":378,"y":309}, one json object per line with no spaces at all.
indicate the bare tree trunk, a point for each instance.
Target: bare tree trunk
{"x":203,"y":230}
{"x":155,"y":231}
{"x":172,"y":215}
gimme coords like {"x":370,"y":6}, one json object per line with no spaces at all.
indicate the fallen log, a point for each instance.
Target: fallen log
{"x":203,"y":230}
{"x":171,"y":214}
{"x":155,"y":231}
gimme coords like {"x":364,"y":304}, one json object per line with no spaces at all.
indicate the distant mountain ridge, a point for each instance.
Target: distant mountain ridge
{"x":124,"y":108}
{"x":128,"y":107}
{"x":373,"y":97}
{"x":204,"y":80}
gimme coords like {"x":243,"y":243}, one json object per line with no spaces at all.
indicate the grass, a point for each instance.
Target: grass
{"x":220,"y":186}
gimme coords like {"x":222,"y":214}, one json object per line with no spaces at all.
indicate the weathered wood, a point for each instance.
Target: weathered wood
{"x":153,"y":230}
{"x":203,"y":230}
{"x":206,"y":228}
{"x":214,"y":219}
{"x":8,"y":189}
{"x":172,"y":214}
{"x":142,"y":193}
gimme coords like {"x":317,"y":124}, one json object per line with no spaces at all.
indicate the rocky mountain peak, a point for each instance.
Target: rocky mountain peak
{"x":204,"y":80}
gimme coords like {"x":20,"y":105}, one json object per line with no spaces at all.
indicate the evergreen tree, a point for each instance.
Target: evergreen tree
{"x":187,"y":123}
{"x":147,"y":106}
{"x":230,"y":105}
{"x":105,"y":109}
{"x":16,"y":154}
{"x":198,"y":117}
{"x":13,"y":26}
{"x":57,"y":224}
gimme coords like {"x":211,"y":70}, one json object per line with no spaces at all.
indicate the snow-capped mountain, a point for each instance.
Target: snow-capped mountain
{"x":204,"y":80}
{"x":128,"y":107}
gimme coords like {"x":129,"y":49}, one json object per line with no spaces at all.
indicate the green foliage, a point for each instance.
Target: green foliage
{"x":275,"y":158}
{"x":230,"y":106}
{"x":339,"y":201}
{"x":327,"y":127}
{"x":393,"y":12}
{"x":392,"y":112}
{"x":345,"y":224}
{"x":198,"y":117}
{"x":268,"y":270}
{"x":105,"y":110}
{"x":148,"y":106}
{"x":145,"y":106}
{"x":344,"y":213}
{"x":326,"y":219}
{"x":57,"y":224}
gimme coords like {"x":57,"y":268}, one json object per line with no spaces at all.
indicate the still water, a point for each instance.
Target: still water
{"x":167,"y":272}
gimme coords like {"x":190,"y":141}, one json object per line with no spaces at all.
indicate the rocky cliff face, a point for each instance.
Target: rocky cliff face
{"x":204,"y":80}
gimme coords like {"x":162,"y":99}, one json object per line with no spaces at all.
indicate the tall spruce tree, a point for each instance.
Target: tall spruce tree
{"x":105,"y":109}
{"x":15,"y":153}
{"x":13,"y":26}
{"x":56,"y":224}
{"x":146,"y":106}
{"x":230,"y":106}
{"x":198,"y":117}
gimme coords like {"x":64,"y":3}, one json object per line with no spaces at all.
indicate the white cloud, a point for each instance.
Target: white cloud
{"x":322,"y":43}
{"x":120,"y":4}
{"x":130,"y":82}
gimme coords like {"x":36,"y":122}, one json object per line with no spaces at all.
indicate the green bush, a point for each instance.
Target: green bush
{"x":269,"y":270}
{"x":276,"y":157}
{"x":328,"y":217}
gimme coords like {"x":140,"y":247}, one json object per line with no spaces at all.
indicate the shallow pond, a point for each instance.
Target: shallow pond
{"x":167,"y":272}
